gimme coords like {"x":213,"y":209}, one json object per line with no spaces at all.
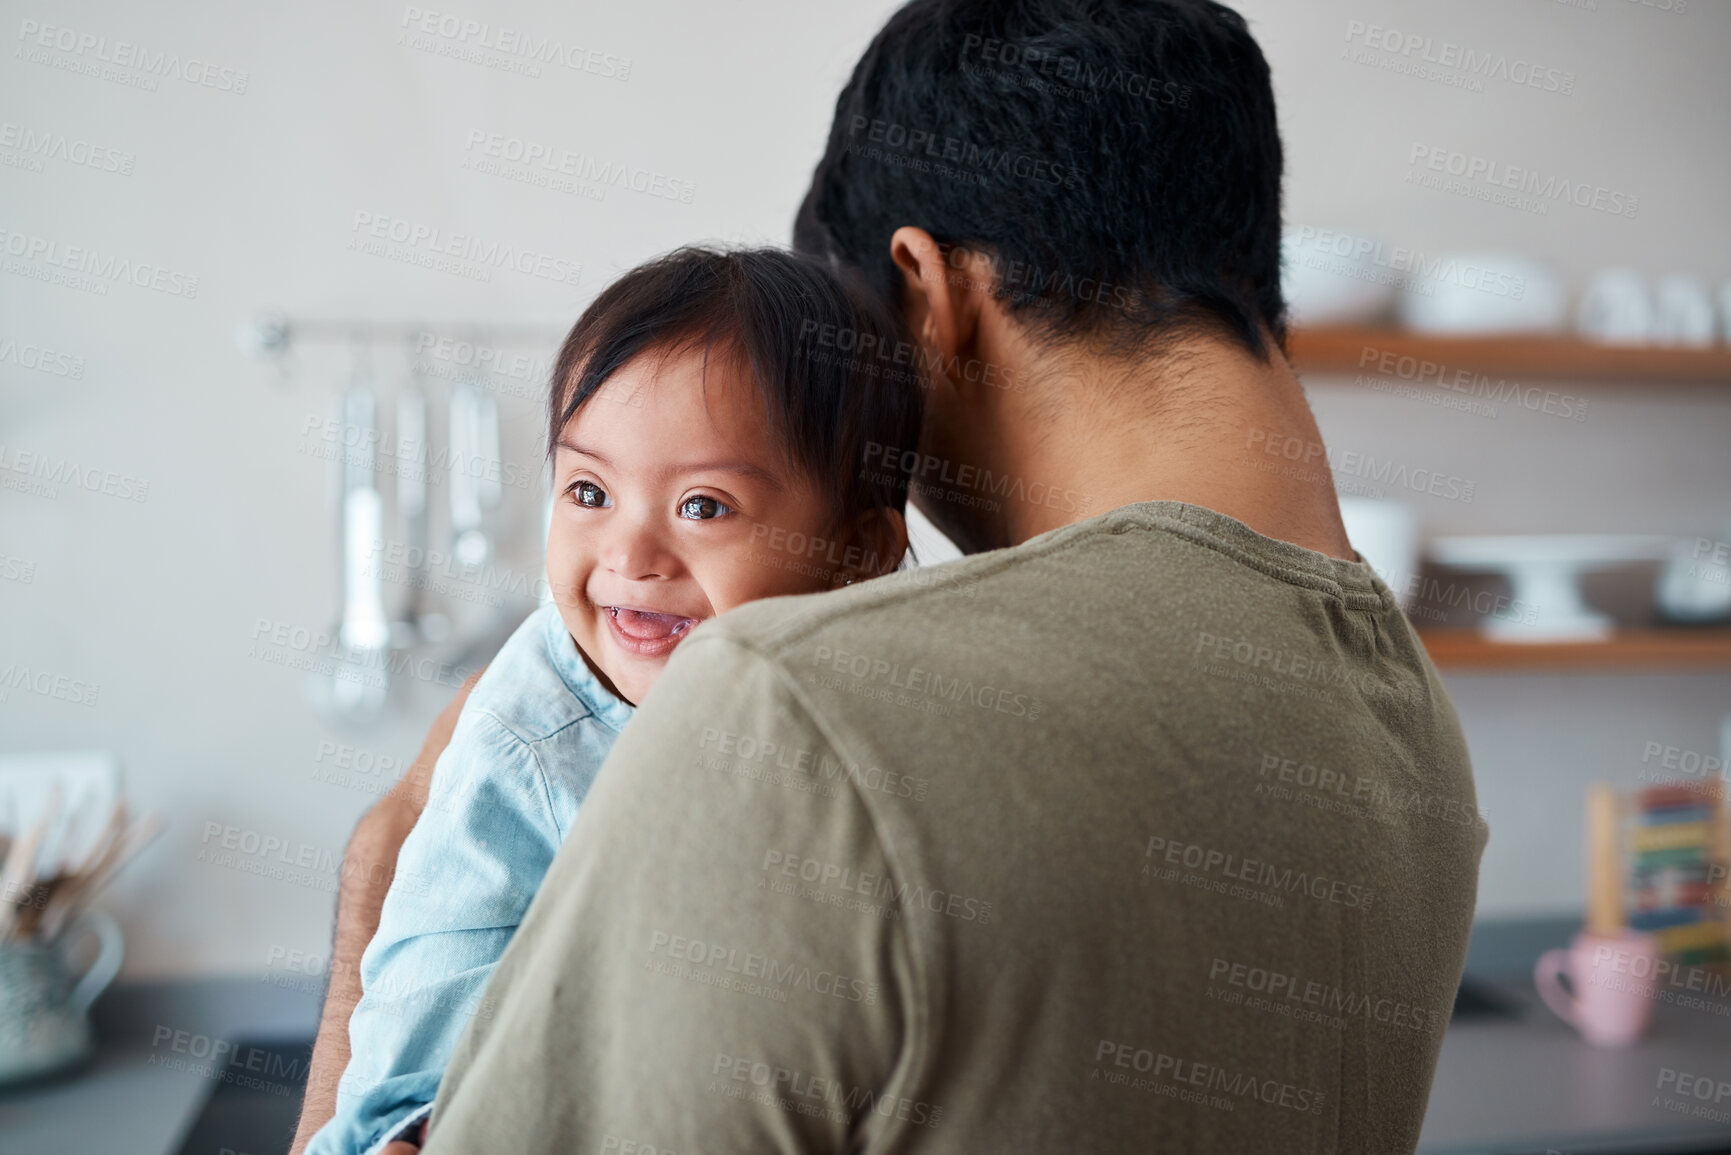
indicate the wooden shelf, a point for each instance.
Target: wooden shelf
{"x":1351,"y":351}
{"x":1626,"y":651}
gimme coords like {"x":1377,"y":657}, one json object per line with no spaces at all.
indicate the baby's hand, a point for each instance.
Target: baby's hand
{"x":405,"y":1146}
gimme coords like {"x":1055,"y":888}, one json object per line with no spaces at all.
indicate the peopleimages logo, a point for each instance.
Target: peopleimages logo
{"x":1174,"y":1069}
{"x":919,"y":683}
{"x":1257,"y":872}
{"x":931,"y":475}
{"x":61,"y":687}
{"x":40,"y":144}
{"x":791,"y":1089}
{"x":124,"y":54}
{"x":1073,"y":73}
{"x":987,"y":159}
{"x":580,"y":166}
{"x":868,"y":351}
{"x":1414,"y":50}
{"x":42,"y":360}
{"x":106,"y":267}
{"x":1404,"y":268}
{"x":527,"y":48}
{"x":1351,"y":465}
{"x":1297,"y":990}
{"x":52,"y":472}
{"x":1486,"y":178}
{"x":749,"y":964}
{"x":461,"y":253}
{"x":1502,"y":391}
{"x":898,"y":894}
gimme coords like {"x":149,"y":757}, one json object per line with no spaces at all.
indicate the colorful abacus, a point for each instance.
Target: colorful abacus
{"x":1676,"y":871}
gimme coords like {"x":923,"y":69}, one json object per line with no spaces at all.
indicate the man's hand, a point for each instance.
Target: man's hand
{"x":369,"y":864}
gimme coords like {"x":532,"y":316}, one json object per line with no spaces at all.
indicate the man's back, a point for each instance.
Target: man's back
{"x":1150,"y":831}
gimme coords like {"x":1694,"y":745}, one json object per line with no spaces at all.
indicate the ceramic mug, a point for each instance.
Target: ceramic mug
{"x":1609,"y":998}
{"x":1385,"y":533}
{"x":1683,"y":313}
{"x":44,"y":1008}
{"x":1617,"y":308}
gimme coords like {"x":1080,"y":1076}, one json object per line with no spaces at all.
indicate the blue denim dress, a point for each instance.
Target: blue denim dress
{"x":525,"y":751}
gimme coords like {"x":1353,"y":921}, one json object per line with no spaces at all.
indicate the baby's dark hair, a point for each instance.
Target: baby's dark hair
{"x":824,"y":352}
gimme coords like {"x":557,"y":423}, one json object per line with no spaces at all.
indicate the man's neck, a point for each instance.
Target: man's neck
{"x":1209,"y":425}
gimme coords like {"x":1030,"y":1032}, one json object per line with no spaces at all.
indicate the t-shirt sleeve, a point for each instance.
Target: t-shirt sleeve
{"x":694,"y":974}
{"x":463,"y":882}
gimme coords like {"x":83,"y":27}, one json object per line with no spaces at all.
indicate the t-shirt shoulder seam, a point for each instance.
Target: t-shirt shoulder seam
{"x":1357,"y":599}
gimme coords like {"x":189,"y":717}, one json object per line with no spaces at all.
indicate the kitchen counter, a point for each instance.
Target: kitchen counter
{"x":1528,"y":1083}
{"x":1531,"y":1084}
{"x":1506,"y":1085}
{"x":148,"y":1081}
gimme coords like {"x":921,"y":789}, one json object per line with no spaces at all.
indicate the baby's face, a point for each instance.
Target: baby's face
{"x":664,"y":504}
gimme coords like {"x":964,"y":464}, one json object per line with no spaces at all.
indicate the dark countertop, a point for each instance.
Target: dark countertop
{"x":1529,"y":1084}
{"x":1511,"y":1085}
{"x":148,"y":1081}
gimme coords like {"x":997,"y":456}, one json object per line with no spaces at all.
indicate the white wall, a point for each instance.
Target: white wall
{"x":1645,"y":119}
{"x":256,"y":194}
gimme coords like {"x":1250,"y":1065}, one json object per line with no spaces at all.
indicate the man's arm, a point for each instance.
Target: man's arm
{"x":679,"y":982}
{"x":369,"y":864}
{"x":464,"y":879}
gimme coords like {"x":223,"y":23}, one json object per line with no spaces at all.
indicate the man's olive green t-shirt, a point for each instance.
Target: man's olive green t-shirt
{"x":1151,"y":833}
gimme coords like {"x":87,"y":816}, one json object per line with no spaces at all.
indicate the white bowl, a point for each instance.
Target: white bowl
{"x":1330,"y":277}
{"x":1482,"y":293}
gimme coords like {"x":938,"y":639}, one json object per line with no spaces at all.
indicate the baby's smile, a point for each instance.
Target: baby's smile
{"x":647,"y":633}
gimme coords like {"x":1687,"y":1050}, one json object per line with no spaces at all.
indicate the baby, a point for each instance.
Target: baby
{"x":702,"y":419}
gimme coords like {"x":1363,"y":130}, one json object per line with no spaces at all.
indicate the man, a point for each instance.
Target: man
{"x":1149,"y":825}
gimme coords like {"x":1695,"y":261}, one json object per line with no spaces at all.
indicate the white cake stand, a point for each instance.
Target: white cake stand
{"x":1544,"y":572}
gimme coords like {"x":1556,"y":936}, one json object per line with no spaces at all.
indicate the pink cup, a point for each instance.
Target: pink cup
{"x":1609,"y":993}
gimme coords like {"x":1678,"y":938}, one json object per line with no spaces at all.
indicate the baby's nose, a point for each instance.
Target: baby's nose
{"x":636,"y":551}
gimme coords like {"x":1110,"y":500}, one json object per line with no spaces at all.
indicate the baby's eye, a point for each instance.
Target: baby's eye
{"x":701,"y":508}
{"x":589,"y":495}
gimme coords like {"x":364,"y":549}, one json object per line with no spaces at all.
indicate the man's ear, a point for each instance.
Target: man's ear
{"x":942,"y":303}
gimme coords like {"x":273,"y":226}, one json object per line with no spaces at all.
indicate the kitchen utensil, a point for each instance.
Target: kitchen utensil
{"x":489,"y":490}
{"x":65,"y":900}
{"x":411,"y":459}
{"x":88,"y":783}
{"x":364,"y":635}
{"x":18,"y":876}
{"x":468,"y":463}
{"x":64,"y":835}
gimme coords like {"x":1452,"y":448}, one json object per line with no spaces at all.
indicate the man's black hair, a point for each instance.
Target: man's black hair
{"x":845,"y":421}
{"x":1117,"y":160}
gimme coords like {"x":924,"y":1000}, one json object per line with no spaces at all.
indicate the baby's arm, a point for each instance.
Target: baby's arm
{"x":464,"y":879}
{"x":369,"y":863}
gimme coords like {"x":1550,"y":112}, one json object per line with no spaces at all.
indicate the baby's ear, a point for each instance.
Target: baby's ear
{"x":882,"y":536}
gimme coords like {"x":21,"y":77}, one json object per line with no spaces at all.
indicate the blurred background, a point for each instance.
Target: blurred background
{"x":330,"y":252}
